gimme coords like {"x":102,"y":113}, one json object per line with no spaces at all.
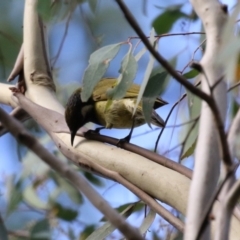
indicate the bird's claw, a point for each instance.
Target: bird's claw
{"x":123,"y":140}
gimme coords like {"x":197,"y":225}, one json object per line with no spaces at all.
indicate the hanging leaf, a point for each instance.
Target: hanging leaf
{"x":93,"y":179}
{"x":191,"y":74}
{"x":189,"y":151}
{"x":3,"y":231}
{"x":31,"y":197}
{"x":152,"y":91}
{"x":107,"y":228}
{"x":127,"y":74}
{"x":98,"y":64}
{"x":55,"y":11}
{"x":147,"y":222}
{"x":194,"y":106}
{"x":14,"y":195}
{"x":140,"y":54}
{"x":64,"y":213}
{"x":147,"y":72}
{"x":64,"y":185}
{"x":164,"y":22}
{"x":93,"y":5}
{"x":86,"y":232}
{"x":41,"y":230}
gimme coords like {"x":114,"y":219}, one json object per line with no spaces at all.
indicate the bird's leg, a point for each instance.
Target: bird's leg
{"x":128,"y":137}
{"x":97,"y":130}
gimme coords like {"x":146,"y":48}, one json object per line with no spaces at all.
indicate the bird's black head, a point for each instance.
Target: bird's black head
{"x":77,"y":113}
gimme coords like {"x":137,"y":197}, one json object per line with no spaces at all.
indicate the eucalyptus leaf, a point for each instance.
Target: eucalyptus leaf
{"x":3,"y":230}
{"x":86,"y":232}
{"x":93,"y":179}
{"x":140,"y":54}
{"x":127,"y":74}
{"x":194,"y":106}
{"x":138,"y":206}
{"x":107,"y":228}
{"x":40,"y":230}
{"x":152,"y":91}
{"x":14,"y":194}
{"x":147,"y":72}
{"x":98,"y":64}
{"x":93,"y":5}
{"x":64,"y":185}
{"x":44,"y":9}
{"x":31,"y":197}
{"x":64,"y":213}
{"x":164,"y":22}
{"x":190,"y":150}
{"x":191,"y":74}
{"x":147,"y":222}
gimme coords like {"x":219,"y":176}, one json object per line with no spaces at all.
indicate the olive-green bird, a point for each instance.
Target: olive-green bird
{"x":118,"y":115}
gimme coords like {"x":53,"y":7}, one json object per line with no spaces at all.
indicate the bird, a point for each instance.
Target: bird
{"x":118,"y":115}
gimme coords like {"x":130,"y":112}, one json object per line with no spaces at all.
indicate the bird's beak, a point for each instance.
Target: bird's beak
{"x":72,"y":137}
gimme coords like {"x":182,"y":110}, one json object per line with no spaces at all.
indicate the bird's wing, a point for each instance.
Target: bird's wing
{"x":99,"y":92}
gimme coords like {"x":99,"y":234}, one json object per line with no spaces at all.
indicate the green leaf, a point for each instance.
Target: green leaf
{"x":14,"y":195}
{"x":147,"y":222}
{"x":98,"y":64}
{"x":64,"y":185}
{"x":93,"y":5}
{"x":152,"y":91}
{"x":3,"y":230}
{"x":138,"y":206}
{"x":107,"y":228}
{"x":31,"y":197}
{"x":147,"y":72}
{"x":93,"y":179}
{"x":71,"y":234}
{"x":127,"y":74}
{"x":140,"y":54}
{"x":178,"y":236}
{"x":189,"y":151}
{"x":191,"y":74}
{"x":159,"y":69}
{"x":164,"y":22}
{"x":44,"y":9}
{"x":234,"y":108}
{"x":194,"y":106}
{"x":64,"y":213}
{"x":40,"y":230}
{"x":86,"y":232}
